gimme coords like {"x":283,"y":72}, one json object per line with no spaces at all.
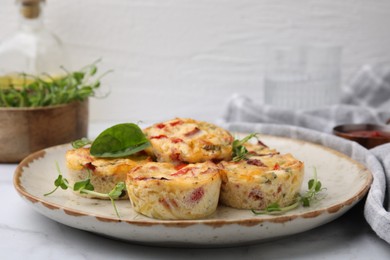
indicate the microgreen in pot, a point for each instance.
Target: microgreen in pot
{"x":48,"y":90}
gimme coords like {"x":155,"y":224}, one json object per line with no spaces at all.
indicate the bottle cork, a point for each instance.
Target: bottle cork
{"x":30,"y":9}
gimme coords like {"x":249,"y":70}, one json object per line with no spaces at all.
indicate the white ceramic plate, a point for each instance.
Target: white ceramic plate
{"x":346,"y":182}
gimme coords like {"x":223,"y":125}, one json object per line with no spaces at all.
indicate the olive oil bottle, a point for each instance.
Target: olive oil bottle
{"x":32,"y":50}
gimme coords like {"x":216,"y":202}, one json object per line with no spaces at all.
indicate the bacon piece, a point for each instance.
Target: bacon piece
{"x":255,"y":162}
{"x":158,"y":137}
{"x":261,"y":143}
{"x":90,"y":166}
{"x":256,"y":194}
{"x":192,"y":132}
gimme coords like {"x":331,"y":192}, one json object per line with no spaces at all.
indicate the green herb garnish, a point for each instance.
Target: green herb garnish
{"x":86,"y":187}
{"x":315,"y":187}
{"x":34,"y":91}
{"x":81,"y":143}
{"x":59,"y":182}
{"x":239,"y":150}
{"x":312,"y":194}
{"x":119,"y":141}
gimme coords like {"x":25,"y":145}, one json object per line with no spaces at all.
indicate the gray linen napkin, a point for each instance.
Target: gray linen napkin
{"x":365,"y":100}
{"x":376,"y":214}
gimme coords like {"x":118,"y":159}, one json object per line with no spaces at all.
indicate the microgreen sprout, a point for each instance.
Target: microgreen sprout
{"x":59,"y":182}
{"x":239,"y":150}
{"x":86,"y":187}
{"x":81,"y":143}
{"x":312,"y":194}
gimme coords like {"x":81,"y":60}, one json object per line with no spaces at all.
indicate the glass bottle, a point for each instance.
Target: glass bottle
{"x":32,"y":49}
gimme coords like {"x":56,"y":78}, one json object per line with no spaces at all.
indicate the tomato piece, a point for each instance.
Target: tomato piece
{"x":176,"y":123}
{"x":197,"y":194}
{"x":182,"y":171}
{"x":176,"y":140}
{"x":180,"y":166}
{"x":160,"y":126}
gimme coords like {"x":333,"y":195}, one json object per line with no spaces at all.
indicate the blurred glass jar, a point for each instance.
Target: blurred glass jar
{"x":32,"y":49}
{"x":302,"y":77}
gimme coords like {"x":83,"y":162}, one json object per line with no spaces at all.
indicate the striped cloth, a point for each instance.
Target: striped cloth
{"x":365,"y":100}
{"x":377,"y":214}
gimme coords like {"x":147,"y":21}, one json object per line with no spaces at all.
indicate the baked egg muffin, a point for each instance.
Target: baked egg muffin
{"x":103,"y":173}
{"x":188,"y":140}
{"x":165,"y":191}
{"x":259,"y":181}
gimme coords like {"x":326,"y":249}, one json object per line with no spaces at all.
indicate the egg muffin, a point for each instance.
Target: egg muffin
{"x":103,"y":173}
{"x":258,"y":181}
{"x":188,"y":140}
{"x":165,"y":191}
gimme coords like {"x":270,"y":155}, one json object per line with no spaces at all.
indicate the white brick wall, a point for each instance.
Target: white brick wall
{"x":186,"y":57}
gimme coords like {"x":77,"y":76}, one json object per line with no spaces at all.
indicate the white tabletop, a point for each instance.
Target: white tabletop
{"x":25,"y":233}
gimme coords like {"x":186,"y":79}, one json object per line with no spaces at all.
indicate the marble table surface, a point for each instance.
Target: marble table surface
{"x":24,"y":233}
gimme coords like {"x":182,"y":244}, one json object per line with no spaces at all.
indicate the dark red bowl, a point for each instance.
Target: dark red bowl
{"x":368,"y":135}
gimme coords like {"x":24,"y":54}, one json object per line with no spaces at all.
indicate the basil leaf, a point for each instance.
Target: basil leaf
{"x":119,"y":141}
